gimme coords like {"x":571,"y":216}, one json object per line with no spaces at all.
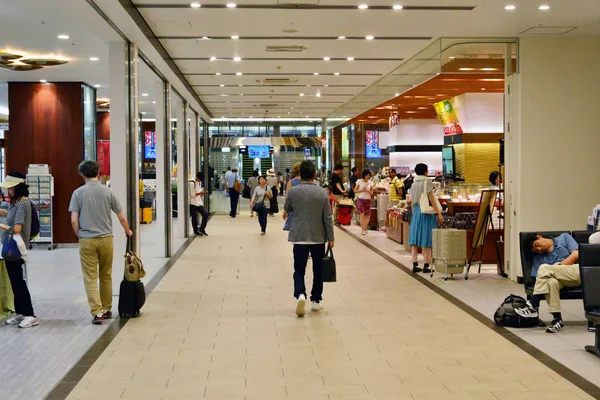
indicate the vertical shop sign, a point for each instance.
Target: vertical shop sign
{"x":103,"y":150}
{"x":372,"y":144}
{"x":447,"y":117}
{"x":345,"y":144}
{"x":394,"y":119}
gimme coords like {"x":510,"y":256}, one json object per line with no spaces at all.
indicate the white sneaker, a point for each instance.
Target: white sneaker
{"x":28,"y":322}
{"x":316,"y":306}
{"x":15,"y":320}
{"x":300,"y":306}
{"x":364,"y":232}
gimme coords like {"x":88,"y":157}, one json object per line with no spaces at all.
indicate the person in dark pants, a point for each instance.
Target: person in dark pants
{"x":312,"y":228}
{"x":197,"y":204}
{"x":231,"y":177}
{"x":18,"y":222}
{"x":262,"y":195}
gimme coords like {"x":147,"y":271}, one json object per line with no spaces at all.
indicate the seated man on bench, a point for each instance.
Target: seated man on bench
{"x":554,"y":267}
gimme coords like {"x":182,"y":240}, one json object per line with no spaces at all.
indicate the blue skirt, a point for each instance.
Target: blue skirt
{"x":421,"y":228}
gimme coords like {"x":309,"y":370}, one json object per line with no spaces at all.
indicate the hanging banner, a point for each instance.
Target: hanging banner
{"x":372,"y":144}
{"x":103,"y":155}
{"x":394,"y":119}
{"x":448,"y":118}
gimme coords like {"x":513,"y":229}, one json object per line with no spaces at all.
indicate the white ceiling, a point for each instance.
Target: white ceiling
{"x":398,"y":36}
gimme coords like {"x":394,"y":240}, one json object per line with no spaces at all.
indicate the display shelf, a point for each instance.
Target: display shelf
{"x":41,"y":183}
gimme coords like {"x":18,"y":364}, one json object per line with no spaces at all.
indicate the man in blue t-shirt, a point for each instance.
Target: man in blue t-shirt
{"x":554,"y":267}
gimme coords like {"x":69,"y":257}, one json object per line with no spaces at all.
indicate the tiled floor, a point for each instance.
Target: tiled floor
{"x":485,"y":292}
{"x":33,"y":361}
{"x":221,"y":325}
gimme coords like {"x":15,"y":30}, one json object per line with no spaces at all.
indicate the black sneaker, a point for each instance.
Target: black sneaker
{"x":417,"y":269}
{"x":107,"y":315}
{"x":555,"y":326}
{"x":203,"y":233}
{"x":98,"y":319}
{"x":426,"y":270}
{"x":527,"y":312}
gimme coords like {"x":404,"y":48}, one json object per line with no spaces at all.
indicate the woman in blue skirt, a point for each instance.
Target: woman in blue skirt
{"x":422,"y":225}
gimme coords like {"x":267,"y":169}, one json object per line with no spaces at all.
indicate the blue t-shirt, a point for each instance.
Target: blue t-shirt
{"x":564,"y":245}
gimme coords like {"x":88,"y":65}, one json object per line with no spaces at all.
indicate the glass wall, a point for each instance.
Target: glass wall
{"x":177,"y":128}
{"x":89,"y":122}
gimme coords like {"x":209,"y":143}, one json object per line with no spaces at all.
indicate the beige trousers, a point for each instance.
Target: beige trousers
{"x":338,"y":197}
{"x":551,"y":278}
{"x":96,"y":263}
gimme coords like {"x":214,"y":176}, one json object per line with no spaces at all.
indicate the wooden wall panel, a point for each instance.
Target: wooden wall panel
{"x":103,"y":125}
{"x":46,"y":127}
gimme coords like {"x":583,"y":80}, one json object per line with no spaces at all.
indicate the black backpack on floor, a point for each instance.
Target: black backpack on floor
{"x":506,"y":316}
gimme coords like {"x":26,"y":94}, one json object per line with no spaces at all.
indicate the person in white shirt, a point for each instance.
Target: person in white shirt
{"x":197,"y":204}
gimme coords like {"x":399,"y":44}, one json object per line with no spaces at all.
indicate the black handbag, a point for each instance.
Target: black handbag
{"x":259,"y":206}
{"x":329,"y":271}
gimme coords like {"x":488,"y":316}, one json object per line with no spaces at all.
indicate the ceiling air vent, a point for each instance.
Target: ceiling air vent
{"x":548,"y":30}
{"x":285,"y":49}
{"x":268,"y":105}
{"x":277,"y":81}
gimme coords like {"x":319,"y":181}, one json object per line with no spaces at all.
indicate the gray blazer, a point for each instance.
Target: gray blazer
{"x":312,"y":215}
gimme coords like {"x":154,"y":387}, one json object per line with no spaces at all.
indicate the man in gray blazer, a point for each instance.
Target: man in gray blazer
{"x":311,"y":228}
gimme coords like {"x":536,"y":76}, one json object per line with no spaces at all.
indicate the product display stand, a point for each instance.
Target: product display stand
{"x":41,"y":190}
{"x":483,"y":223}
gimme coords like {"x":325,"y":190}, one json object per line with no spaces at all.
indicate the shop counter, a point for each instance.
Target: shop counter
{"x":393,"y":226}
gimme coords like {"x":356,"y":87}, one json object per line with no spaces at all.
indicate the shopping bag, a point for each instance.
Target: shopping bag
{"x":10,"y":249}
{"x":329,"y":270}
{"x":288,"y":222}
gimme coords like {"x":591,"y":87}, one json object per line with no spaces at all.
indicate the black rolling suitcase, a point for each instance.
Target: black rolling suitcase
{"x":132,"y":294}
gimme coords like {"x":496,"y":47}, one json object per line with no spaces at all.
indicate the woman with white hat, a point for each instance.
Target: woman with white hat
{"x":273,"y":183}
{"x":18,"y":222}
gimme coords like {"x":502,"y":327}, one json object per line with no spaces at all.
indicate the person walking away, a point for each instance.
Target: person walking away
{"x":287,"y":177}
{"x":336,"y":188}
{"x":18,"y":222}
{"x":232,"y":186}
{"x":364,"y":190}
{"x":396,"y":188}
{"x":312,"y":228}
{"x":262,"y":195}
{"x":197,"y":204}
{"x":422,"y":225}
{"x":273,"y":183}
{"x":90,"y":208}
{"x":253,"y":184}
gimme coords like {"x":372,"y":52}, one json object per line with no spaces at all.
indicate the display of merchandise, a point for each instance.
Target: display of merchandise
{"x":41,"y":190}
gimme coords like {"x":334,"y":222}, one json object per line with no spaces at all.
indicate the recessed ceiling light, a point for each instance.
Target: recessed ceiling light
{"x":97,"y":86}
{"x":237,"y":59}
{"x":363,"y":6}
{"x":240,"y":85}
{"x":489,"y":69}
{"x":94,"y":59}
{"x":397,"y":7}
{"x":336,"y":73}
{"x":235,"y":37}
{"x":482,"y":88}
{"x":544,"y":7}
{"x":369,"y":37}
{"x":222,"y":85}
{"x":510,"y":7}
{"x":154,"y":102}
{"x":341,"y":37}
{"x":238,"y":73}
{"x":452,"y":57}
{"x":241,"y":94}
{"x":318,"y":94}
{"x":213,"y":59}
{"x":63,"y":37}
{"x":218,"y":73}
{"x":326,"y":85}
{"x":144,"y":94}
{"x":315,"y":73}
{"x":205,"y":38}
{"x":231,"y":5}
{"x":350,"y":58}
{"x":195,"y":5}
{"x":326,"y":58}
{"x":143,"y":112}
{"x":301,"y":94}
{"x":43,"y":81}
{"x":423,"y":108}
{"x":397,"y":94}
{"x":466,"y":69}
